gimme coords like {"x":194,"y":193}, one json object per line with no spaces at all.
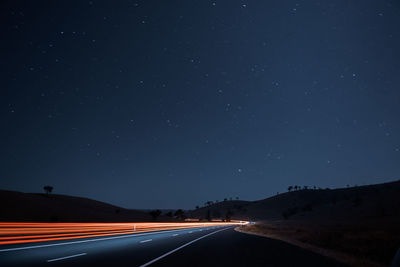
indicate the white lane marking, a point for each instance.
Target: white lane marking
{"x":144,"y":241}
{"x":190,"y":232}
{"x":178,"y":248}
{"x":175,"y":234}
{"x":67,"y":257}
{"x":89,"y":240}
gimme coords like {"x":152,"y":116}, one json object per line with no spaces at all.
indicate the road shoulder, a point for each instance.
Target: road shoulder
{"x":338,"y":256}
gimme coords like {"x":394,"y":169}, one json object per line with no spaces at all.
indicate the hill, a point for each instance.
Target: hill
{"x":18,"y":206}
{"x":367,"y":202}
{"x":357,"y":226}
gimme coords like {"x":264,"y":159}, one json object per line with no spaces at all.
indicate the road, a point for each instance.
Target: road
{"x":208,"y":246}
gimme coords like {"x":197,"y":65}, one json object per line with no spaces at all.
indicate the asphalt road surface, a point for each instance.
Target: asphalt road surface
{"x":212,"y":246}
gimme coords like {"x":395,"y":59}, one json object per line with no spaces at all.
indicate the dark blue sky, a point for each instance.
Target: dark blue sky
{"x":169,"y":104}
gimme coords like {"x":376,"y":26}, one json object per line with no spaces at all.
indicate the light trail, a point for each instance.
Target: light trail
{"x":19,"y":233}
{"x":59,"y":235}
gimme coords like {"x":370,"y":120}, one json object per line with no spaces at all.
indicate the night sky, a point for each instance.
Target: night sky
{"x":168,"y":104}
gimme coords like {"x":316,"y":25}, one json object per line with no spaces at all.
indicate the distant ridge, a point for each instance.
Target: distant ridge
{"x":31,"y":207}
{"x":378,"y":201}
{"x":351,"y":203}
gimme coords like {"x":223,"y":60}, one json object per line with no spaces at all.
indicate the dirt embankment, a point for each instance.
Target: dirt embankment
{"x":368,"y":243}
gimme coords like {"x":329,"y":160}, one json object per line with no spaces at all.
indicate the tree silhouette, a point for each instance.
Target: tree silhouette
{"x":228,"y":215}
{"x":169,"y":214}
{"x":48,"y":189}
{"x":237,"y":198}
{"x":197,"y":207}
{"x":180,"y":214}
{"x":209,"y":203}
{"x":155,"y":214}
{"x":290,"y":188}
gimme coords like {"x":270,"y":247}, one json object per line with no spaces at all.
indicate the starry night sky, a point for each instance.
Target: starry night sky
{"x":168,"y":104}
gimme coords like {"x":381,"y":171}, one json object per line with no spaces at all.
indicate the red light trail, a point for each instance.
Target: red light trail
{"x":17,"y":233}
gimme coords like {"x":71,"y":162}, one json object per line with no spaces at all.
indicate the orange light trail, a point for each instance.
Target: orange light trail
{"x":18,"y":233}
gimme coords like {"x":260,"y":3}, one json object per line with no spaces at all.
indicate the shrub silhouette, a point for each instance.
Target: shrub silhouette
{"x":169,"y":214}
{"x":155,"y":214}
{"x":228,"y":215}
{"x":48,"y":189}
{"x":179,"y":214}
{"x":208,"y":203}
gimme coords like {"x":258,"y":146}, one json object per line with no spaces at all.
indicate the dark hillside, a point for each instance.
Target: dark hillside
{"x":17,"y":206}
{"x":367,"y":202}
{"x":354,"y":225}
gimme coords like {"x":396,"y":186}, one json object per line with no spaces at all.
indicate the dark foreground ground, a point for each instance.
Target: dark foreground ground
{"x":357,"y":243}
{"x":223,"y":247}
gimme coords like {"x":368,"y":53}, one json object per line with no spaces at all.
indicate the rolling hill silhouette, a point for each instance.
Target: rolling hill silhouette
{"x":354,"y":203}
{"x":17,"y":206}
